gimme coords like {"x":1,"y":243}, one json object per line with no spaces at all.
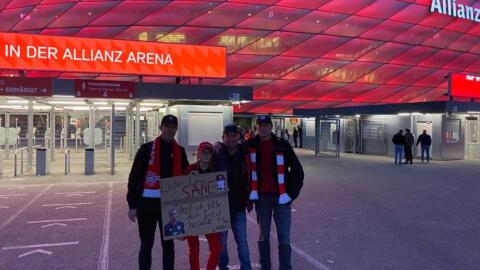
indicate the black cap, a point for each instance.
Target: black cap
{"x":169,"y":120}
{"x":264,"y":119}
{"x":230,"y":128}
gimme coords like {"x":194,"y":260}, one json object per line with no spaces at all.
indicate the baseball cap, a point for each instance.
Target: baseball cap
{"x":264,"y":119}
{"x":169,"y":120}
{"x":230,"y":128}
{"x":205,"y":146}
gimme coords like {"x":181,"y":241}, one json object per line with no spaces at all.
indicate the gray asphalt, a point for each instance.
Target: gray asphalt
{"x":356,"y":212}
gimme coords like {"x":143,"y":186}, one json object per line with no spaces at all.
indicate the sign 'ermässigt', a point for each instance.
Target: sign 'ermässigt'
{"x":72,"y":54}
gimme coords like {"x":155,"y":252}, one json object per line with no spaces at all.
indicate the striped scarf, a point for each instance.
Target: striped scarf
{"x":151,"y":186}
{"x":284,"y":198}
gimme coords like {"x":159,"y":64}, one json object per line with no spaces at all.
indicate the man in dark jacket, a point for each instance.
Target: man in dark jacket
{"x":232,"y":157}
{"x":425,"y":141}
{"x":409,"y":141}
{"x":398,"y":141}
{"x":276,"y":180}
{"x":155,"y":160}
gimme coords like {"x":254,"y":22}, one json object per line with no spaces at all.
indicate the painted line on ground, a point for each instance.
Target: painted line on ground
{"x":6,"y":222}
{"x":12,"y":195}
{"x":66,"y":204}
{"x":42,"y":245}
{"x":314,"y":262}
{"x":4,"y":207}
{"x":35,"y":251}
{"x":103,"y":260}
{"x":75,"y":192}
{"x":55,"y":220}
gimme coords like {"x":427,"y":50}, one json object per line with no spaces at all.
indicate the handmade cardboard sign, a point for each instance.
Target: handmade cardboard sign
{"x":195,"y":204}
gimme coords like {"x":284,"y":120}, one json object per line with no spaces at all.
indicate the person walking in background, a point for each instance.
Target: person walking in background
{"x":399,"y":142}
{"x":425,"y":141}
{"x":295,"y":136}
{"x":300,"y":135}
{"x":409,"y":141}
{"x":288,"y":134}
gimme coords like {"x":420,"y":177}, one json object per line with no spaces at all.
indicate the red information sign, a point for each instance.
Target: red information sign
{"x":104,"y":89}
{"x":25,"y":87}
{"x":463,"y":85}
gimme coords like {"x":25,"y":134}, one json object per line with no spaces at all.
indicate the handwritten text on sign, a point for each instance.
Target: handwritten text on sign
{"x":195,"y":205}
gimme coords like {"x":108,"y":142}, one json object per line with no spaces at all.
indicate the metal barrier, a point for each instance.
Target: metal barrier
{"x":67,"y":161}
{"x":15,"y":159}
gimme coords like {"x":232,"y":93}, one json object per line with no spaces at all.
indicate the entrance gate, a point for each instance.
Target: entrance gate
{"x":327,"y":137}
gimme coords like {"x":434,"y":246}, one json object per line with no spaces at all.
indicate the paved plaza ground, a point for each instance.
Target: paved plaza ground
{"x":356,"y":212}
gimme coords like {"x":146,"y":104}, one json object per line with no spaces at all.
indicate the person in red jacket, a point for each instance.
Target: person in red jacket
{"x":204,"y":165}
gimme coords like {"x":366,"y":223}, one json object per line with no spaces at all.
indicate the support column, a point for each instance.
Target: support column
{"x":112,"y":141}
{"x":91,"y":126}
{"x":65,"y":131}
{"x":137,"y":127}
{"x":30,"y":135}
{"x":52,"y":134}
{"x":7,"y":126}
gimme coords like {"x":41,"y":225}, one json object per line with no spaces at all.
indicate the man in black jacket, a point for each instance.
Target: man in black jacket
{"x":425,"y":141}
{"x":167,"y":159}
{"x":399,"y":141}
{"x":232,"y":157}
{"x":276,"y":180}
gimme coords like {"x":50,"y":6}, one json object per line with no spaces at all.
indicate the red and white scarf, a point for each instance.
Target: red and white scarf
{"x":151,"y":186}
{"x":284,"y":198}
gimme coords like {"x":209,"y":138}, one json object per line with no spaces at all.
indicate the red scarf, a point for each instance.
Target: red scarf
{"x":284,"y":198}
{"x":151,"y":185}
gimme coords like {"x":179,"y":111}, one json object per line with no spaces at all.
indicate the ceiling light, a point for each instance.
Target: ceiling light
{"x":67,"y":102}
{"x":404,"y":114}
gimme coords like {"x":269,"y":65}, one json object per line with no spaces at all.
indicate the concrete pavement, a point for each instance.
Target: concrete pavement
{"x":356,"y":212}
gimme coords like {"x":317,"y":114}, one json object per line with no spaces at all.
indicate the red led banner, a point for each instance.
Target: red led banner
{"x":464,"y":85}
{"x":73,"y":54}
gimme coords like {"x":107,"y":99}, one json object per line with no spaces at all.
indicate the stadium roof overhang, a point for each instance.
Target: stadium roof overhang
{"x":295,"y":53}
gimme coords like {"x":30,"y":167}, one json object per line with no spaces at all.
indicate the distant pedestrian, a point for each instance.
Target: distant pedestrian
{"x":409,"y":141}
{"x":300,"y":135}
{"x":288,"y":134}
{"x":425,"y":141}
{"x":399,"y":142}
{"x":295,"y":136}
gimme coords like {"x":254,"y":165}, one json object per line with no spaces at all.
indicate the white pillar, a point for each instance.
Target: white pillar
{"x":65,"y":131}
{"x":52,"y":134}
{"x":112,"y":141}
{"x":137,"y":127}
{"x":7,"y":126}
{"x":30,"y":135}
{"x":91,"y":126}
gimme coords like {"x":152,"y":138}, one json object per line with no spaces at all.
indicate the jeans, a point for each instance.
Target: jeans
{"x":239,"y":228}
{"x":398,"y":153}
{"x":408,"y":154}
{"x":425,"y":150}
{"x":267,"y":205}
{"x":148,"y":216}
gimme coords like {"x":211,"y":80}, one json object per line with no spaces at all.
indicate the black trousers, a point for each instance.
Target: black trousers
{"x":408,"y":154}
{"x":295,"y":140}
{"x":149,"y":215}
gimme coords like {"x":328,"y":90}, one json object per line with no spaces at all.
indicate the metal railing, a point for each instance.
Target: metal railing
{"x":15,"y":159}
{"x":67,"y":161}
